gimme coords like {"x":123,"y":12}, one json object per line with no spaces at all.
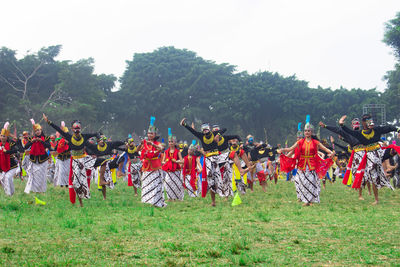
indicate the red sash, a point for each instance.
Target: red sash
{"x":5,"y":158}
{"x":348,"y":169}
{"x":193,"y":172}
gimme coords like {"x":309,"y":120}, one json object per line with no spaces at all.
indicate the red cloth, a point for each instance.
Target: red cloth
{"x":88,"y":175}
{"x":193,"y":172}
{"x":150,"y":157}
{"x":130,"y":183}
{"x":261,"y":176}
{"x":62,"y":146}
{"x":360,"y":172}
{"x":287,"y":164}
{"x":397,"y":148}
{"x":72,"y":194}
{"x":348,"y":169}
{"x":169,"y":165}
{"x":322,"y":166}
{"x":232,"y":153}
{"x":37,"y":148}
{"x":204,"y":187}
{"x":4,"y":157}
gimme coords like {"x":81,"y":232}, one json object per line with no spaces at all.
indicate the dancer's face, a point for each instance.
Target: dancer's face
{"x":3,"y":138}
{"x":307,"y":133}
{"x":171,"y":143}
{"x":370,"y":123}
{"x":151,"y":136}
{"x":38,"y":132}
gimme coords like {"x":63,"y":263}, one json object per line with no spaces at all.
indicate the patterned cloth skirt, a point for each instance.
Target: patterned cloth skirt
{"x":7,"y":180}
{"x":309,"y":186}
{"x":374,"y":172}
{"x":173,"y":185}
{"x":152,"y":192}
{"x":79,"y":175}
{"x":191,"y":191}
{"x":61,"y":173}
{"x":36,"y":176}
{"x":214,"y":179}
{"x":135,"y":172}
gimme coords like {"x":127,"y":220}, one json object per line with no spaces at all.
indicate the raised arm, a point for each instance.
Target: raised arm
{"x":190,"y":129}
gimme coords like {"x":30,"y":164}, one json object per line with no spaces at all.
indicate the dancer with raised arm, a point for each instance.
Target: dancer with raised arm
{"x":80,"y":161}
{"x":370,"y":168}
{"x":211,"y":172}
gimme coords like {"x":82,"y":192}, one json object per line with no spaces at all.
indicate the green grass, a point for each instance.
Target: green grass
{"x":266,"y":229}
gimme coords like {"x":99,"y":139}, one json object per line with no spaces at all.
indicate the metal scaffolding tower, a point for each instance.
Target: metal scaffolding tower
{"x":378,"y":112}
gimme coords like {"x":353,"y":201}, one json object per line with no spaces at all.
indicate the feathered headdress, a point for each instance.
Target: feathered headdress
{"x":152,"y":128}
{"x":35,"y":126}
{"x":308,"y":125}
{"x":300,"y":133}
{"x":5,"y":130}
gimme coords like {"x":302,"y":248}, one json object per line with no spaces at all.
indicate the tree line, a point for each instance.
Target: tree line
{"x":170,"y":84}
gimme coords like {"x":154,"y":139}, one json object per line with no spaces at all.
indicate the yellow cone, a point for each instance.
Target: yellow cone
{"x":236,"y":200}
{"x":39,"y":202}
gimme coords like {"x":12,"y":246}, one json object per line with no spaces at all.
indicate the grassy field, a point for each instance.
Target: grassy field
{"x":267,"y":229}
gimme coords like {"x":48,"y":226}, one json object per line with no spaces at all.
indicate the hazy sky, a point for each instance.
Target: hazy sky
{"x":328,"y":43}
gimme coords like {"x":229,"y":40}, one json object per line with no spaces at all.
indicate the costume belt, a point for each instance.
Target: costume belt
{"x":209,"y":154}
{"x":306,"y":157}
{"x":78,"y":156}
{"x":368,"y":148}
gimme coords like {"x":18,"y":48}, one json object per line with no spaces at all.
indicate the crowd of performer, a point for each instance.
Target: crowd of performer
{"x":217,"y":163}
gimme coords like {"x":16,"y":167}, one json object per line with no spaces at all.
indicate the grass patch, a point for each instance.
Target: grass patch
{"x":267,"y":229}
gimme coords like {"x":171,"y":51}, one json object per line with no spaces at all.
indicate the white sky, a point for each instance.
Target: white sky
{"x":331,"y":43}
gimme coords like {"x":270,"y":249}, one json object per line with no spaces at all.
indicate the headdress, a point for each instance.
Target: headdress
{"x":35,"y":126}
{"x":205,"y":126}
{"x":216,"y":128}
{"x":308,"y":125}
{"x":63,"y":127}
{"x":5,"y":130}
{"x":152,"y":128}
{"x":192,"y":145}
{"x":300,"y":133}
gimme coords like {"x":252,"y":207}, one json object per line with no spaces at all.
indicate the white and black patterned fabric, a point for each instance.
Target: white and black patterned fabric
{"x":374,"y":172}
{"x":191,"y":192}
{"x":225,"y":187}
{"x":135,"y":172}
{"x":173,"y":185}
{"x":7,"y":181}
{"x":308,"y":185}
{"x":36,"y":177}
{"x":51,"y":171}
{"x":152,"y":188}
{"x":213,"y":174}
{"x":79,"y":182}
{"x":61,"y":172}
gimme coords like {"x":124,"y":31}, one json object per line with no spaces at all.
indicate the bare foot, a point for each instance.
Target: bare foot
{"x":360,"y":198}
{"x":375,"y":202}
{"x":306,"y":204}
{"x":136,"y":194}
{"x":213,"y":204}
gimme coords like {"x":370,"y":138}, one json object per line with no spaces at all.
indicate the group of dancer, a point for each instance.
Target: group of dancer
{"x":219,"y":164}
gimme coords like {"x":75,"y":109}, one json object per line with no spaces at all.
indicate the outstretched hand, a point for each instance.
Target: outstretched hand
{"x":45,"y":118}
{"x":341,"y":121}
{"x":183,"y":122}
{"x":322,"y":124}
